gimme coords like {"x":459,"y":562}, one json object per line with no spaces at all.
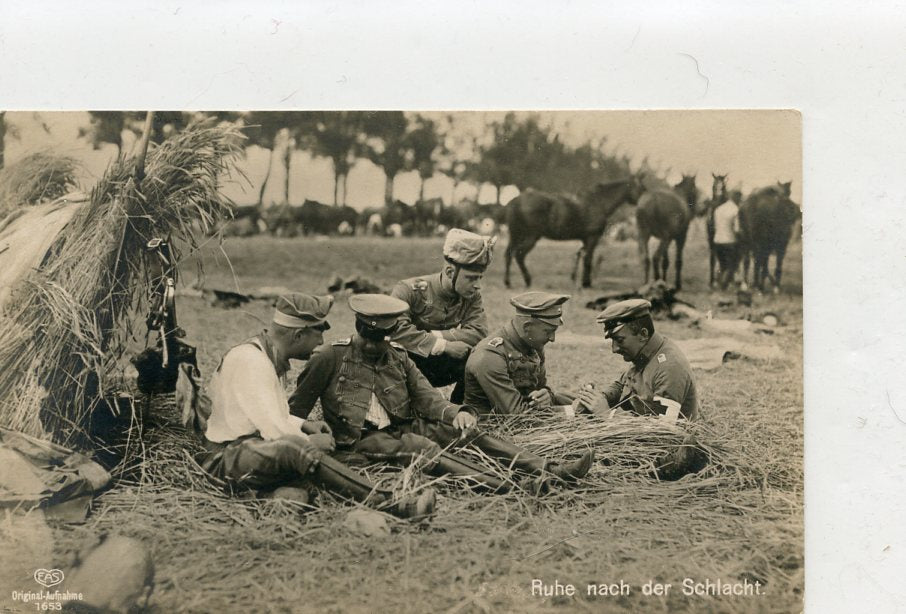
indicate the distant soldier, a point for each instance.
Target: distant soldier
{"x":505,"y":373}
{"x":381,"y":407}
{"x":659,"y":382}
{"x":726,"y":240}
{"x":446,"y":317}
{"x":251,"y":439}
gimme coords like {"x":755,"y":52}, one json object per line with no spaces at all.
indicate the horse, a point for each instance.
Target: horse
{"x":766,"y":220}
{"x":534,"y":214}
{"x":665,"y":214}
{"x":719,"y":195}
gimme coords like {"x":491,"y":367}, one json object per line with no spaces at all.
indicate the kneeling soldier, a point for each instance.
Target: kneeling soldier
{"x":381,"y":407}
{"x":251,"y":439}
{"x":446,"y":317}
{"x":505,"y":373}
{"x":660,"y":380}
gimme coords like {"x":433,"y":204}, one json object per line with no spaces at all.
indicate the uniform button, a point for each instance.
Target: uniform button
{"x":342,"y":378}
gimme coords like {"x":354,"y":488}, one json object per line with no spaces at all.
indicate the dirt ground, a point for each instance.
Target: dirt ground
{"x":482,"y":553}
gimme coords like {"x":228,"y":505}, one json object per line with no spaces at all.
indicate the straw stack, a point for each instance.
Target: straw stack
{"x":69,"y":321}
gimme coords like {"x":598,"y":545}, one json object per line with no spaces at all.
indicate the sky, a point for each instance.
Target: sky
{"x":755,"y":148}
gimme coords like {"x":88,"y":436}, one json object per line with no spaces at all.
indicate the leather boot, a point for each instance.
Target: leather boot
{"x":342,"y":480}
{"x":449,"y":464}
{"x":510,"y":454}
{"x":571,"y":472}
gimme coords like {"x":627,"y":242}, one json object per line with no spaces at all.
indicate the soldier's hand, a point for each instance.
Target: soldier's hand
{"x":323,"y":442}
{"x":540,"y":399}
{"x":313,"y":427}
{"x":464,"y":421}
{"x":457,"y":349}
{"x":593,"y":401}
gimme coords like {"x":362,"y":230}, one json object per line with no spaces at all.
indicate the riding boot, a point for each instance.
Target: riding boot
{"x":532,"y":463}
{"x":449,"y":464}
{"x":339,"y":478}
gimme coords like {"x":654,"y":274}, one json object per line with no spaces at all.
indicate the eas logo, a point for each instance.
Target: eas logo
{"x":48,"y":577}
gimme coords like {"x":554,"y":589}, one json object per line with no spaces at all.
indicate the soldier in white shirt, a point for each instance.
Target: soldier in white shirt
{"x":252,"y":440}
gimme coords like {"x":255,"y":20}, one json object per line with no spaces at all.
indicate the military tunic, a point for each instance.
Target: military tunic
{"x":340,"y":376}
{"x":501,"y":372}
{"x":660,"y":378}
{"x":432,"y":308}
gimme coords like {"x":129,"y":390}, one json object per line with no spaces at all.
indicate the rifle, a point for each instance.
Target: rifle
{"x":158,"y":367}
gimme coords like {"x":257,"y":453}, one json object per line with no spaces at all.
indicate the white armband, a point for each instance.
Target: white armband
{"x":673,"y":409}
{"x":438,"y":333}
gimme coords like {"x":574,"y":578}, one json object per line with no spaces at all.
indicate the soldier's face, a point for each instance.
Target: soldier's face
{"x":628,"y":344}
{"x":305,"y":341}
{"x":538,"y":334}
{"x":468,"y":283}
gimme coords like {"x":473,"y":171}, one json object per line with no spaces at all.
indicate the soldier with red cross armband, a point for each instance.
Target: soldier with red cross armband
{"x":659,"y":381}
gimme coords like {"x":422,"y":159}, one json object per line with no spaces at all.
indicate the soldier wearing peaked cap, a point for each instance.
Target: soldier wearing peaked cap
{"x":660,"y":380}
{"x":382,"y":408}
{"x":446,"y":317}
{"x":506,"y":373}
{"x":251,"y":439}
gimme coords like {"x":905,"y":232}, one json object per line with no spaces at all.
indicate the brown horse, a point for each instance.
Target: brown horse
{"x":719,"y":195}
{"x":533,"y":215}
{"x":766,"y":219}
{"x":665,"y":214}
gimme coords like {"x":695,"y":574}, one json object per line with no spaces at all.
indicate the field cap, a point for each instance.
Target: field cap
{"x":542,"y":306}
{"x":615,"y":316}
{"x":468,"y":249}
{"x":377,"y":311}
{"x":298,"y":310}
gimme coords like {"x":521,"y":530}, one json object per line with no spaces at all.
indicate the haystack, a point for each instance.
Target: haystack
{"x":37,"y":178}
{"x":67,"y":323}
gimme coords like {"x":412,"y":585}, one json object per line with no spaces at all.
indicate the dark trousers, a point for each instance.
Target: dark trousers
{"x":401,"y":444}
{"x":253,"y":463}
{"x":728,"y":258}
{"x":443,"y":370}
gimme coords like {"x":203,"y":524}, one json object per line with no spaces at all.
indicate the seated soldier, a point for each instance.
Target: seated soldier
{"x":380,"y":406}
{"x":659,"y":382}
{"x":251,"y":439}
{"x":446,"y":317}
{"x":505,"y":373}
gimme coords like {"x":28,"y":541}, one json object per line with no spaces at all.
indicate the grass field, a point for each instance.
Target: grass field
{"x":739,"y":520}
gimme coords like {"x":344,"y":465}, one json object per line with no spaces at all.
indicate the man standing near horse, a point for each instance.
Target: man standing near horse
{"x":250,"y":438}
{"x":660,"y":380}
{"x":446,"y":317}
{"x":382,"y":408}
{"x":725,"y":220}
{"x":505,"y":373}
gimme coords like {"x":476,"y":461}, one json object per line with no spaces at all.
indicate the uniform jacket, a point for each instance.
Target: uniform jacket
{"x":661,"y":375}
{"x":339,"y":375}
{"x":431,"y":308}
{"x":501,"y":371}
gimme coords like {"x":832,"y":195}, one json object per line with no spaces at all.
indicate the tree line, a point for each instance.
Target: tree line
{"x":515,"y":150}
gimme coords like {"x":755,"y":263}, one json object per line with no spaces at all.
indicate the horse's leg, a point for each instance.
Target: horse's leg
{"x":578,"y":257}
{"x":660,"y":259}
{"x":712,"y":253}
{"x":680,"y":244}
{"x":522,"y":251}
{"x":778,"y":268}
{"x":589,"y":246}
{"x":508,"y":258}
{"x":761,"y":267}
{"x":643,"y":253}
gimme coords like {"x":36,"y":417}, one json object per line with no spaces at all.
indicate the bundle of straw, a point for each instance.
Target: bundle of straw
{"x":36,"y":178}
{"x":70,"y":320}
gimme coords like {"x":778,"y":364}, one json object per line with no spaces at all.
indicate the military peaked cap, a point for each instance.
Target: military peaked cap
{"x":298,"y":310}
{"x":543,"y":306}
{"x":468,"y":249}
{"x":615,"y":316}
{"x":377,"y":311}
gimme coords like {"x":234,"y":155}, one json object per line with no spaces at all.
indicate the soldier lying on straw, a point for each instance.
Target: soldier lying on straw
{"x":381,"y":407}
{"x":251,"y":439}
